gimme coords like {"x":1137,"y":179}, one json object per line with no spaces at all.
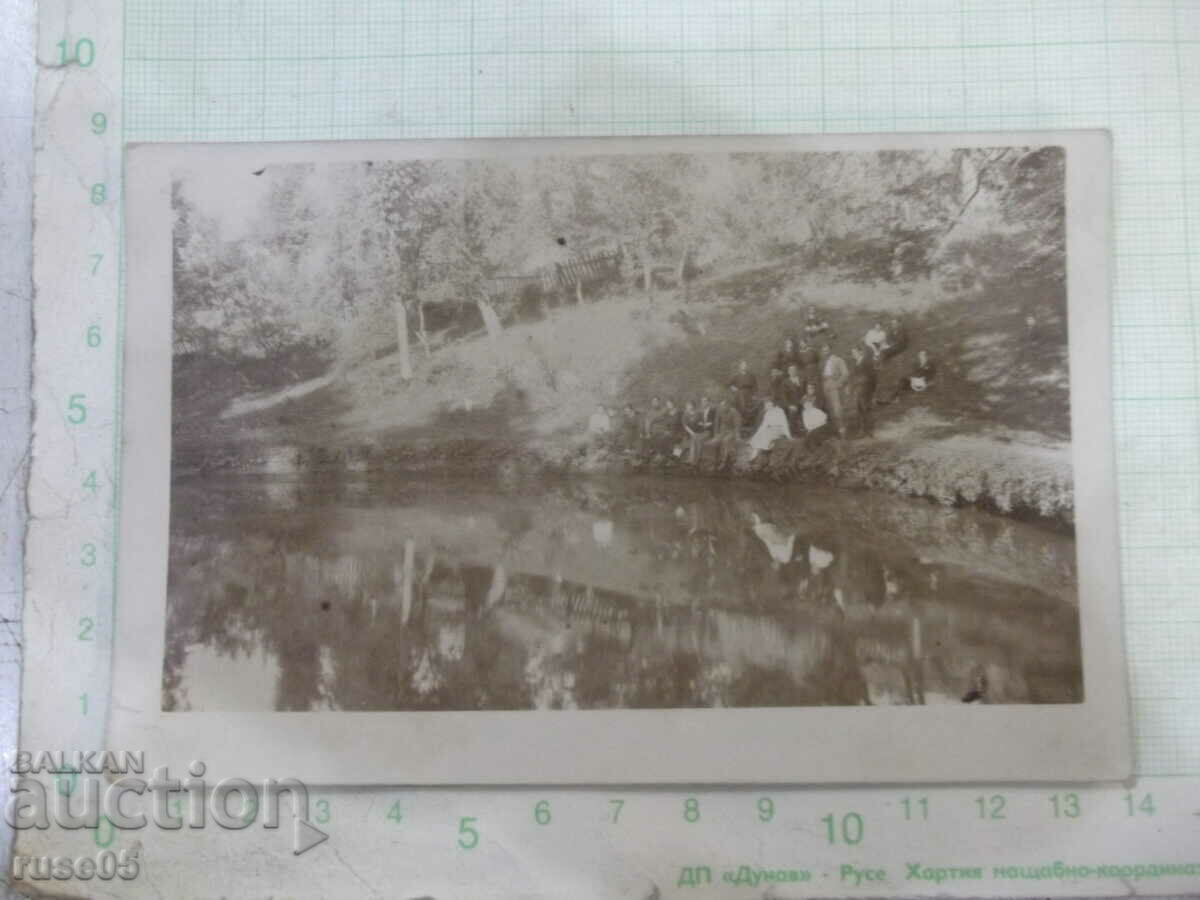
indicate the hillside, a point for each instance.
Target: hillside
{"x":993,"y":432}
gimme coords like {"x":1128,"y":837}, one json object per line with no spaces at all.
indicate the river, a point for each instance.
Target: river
{"x":440,"y":594}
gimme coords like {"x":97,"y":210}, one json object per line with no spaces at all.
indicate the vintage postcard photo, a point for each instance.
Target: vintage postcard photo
{"x":639,"y":460}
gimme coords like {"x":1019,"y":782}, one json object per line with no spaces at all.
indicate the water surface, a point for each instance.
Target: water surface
{"x":365,"y":594}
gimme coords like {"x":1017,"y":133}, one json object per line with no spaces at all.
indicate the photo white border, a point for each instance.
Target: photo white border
{"x":1088,"y":741}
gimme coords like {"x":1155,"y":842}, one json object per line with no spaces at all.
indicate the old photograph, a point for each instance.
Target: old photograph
{"x":694,"y":426}
{"x":761,"y":429}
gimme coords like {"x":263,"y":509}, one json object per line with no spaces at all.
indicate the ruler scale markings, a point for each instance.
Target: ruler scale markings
{"x":78,"y":407}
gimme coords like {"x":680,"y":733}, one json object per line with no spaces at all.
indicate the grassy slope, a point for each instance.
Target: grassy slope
{"x":993,"y":432}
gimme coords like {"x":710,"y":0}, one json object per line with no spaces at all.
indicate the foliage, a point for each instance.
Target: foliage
{"x":337,"y":256}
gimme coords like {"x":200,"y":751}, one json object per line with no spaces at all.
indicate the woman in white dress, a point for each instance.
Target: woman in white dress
{"x":774,"y":426}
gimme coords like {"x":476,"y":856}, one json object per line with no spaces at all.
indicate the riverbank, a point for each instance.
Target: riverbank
{"x":1002,"y":474}
{"x":993,"y":433}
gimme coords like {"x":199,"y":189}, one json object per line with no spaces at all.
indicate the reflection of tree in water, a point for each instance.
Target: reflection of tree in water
{"x":634,"y":595}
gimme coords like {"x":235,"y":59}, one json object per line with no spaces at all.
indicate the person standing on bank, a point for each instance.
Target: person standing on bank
{"x":669,"y":431}
{"x":728,"y":431}
{"x":747,"y":384}
{"x":787,"y":357}
{"x":695,"y":434}
{"x":706,"y":422}
{"x":864,"y":379}
{"x":834,"y":375}
{"x":775,"y":386}
{"x":897,"y":338}
{"x":876,"y":340}
{"x":630,"y":428}
{"x":650,"y":419}
{"x":810,"y":367}
{"x":792,"y":396}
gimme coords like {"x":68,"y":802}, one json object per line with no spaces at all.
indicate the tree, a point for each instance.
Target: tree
{"x":485,"y":235}
{"x":194,"y":247}
{"x":407,"y":203}
{"x":638,"y":191}
{"x":571,"y":215}
{"x":231,"y":297}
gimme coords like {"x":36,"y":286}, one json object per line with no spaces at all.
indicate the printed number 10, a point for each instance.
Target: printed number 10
{"x":851,"y":830}
{"x":84,"y":52}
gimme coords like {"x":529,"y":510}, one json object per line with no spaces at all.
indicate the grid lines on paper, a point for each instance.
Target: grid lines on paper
{"x":250,"y":70}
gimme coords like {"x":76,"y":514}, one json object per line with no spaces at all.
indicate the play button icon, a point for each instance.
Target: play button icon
{"x":305,"y":837}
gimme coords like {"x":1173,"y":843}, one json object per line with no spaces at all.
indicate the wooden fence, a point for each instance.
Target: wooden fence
{"x":578,"y":271}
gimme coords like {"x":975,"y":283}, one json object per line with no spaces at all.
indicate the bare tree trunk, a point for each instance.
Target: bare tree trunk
{"x":681,"y":271}
{"x":422,"y":334}
{"x":579,"y":290}
{"x":406,"y":581}
{"x":647,"y":269}
{"x":406,"y":372}
{"x":980,"y":171}
{"x":498,"y":587}
{"x":491,"y":321}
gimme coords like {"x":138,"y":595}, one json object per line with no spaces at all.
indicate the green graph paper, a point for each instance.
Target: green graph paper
{"x":252,"y":70}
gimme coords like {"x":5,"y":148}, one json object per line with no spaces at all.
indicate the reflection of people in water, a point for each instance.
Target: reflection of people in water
{"x":861,"y":578}
{"x":390,"y":642}
{"x":602,"y":532}
{"x":819,"y":559}
{"x":978,"y":691}
{"x":842,"y":674}
{"x":780,"y":545}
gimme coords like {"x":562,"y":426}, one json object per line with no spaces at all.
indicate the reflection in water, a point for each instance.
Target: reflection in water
{"x":372,"y":595}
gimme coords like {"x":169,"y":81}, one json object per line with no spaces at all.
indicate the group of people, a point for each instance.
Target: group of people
{"x":810,"y":393}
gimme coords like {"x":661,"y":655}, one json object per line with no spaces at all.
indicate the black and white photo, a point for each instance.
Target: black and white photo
{"x":689,"y":431}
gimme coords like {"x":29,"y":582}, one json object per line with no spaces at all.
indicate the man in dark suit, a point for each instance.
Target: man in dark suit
{"x":864,"y":378}
{"x":746,"y":383}
{"x":791,"y":397}
{"x":897,"y":338}
{"x":725,"y":440}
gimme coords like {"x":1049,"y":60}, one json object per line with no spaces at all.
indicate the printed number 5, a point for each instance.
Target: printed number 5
{"x":468,"y":837}
{"x":76,"y":411}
